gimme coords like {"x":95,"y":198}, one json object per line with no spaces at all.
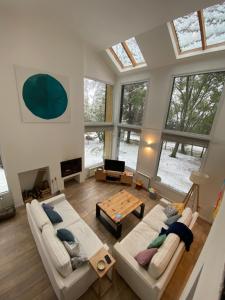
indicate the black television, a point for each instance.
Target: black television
{"x":114,"y":165}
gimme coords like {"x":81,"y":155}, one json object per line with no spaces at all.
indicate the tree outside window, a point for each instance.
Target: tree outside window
{"x":194,"y":104}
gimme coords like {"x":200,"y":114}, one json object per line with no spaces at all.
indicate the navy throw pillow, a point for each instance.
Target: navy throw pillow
{"x":65,"y":235}
{"x":47,"y":206}
{"x":53,"y":215}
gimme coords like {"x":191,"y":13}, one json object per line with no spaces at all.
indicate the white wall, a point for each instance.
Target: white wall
{"x":154,"y":120}
{"x":26,"y":146}
{"x":96,"y":67}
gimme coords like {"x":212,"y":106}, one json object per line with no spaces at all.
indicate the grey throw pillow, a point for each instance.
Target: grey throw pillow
{"x":78,"y":261}
{"x":170,"y":211}
{"x":172,"y":219}
{"x":73,"y":248}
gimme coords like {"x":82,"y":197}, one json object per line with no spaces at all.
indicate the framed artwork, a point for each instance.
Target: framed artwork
{"x":43,"y":96}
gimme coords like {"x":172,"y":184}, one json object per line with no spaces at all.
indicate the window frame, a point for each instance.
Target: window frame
{"x":124,"y":126}
{"x":101,"y":126}
{"x":203,"y":49}
{"x":134,"y":63}
{"x":207,"y":138}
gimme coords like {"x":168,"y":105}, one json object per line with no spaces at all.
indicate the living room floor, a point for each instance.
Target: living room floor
{"x":23,"y":276}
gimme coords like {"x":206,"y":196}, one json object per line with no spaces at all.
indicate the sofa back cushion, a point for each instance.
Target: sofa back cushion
{"x":186,"y":216}
{"x":56,"y":250}
{"x":38,"y":214}
{"x":162,"y":258}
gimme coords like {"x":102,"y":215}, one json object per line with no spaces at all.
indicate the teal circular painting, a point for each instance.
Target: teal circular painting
{"x":45,"y":96}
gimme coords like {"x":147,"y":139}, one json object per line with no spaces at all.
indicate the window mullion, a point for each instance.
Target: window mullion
{"x":129,"y":54}
{"x":176,"y":38}
{"x":202,"y":28}
{"x":116,"y":57}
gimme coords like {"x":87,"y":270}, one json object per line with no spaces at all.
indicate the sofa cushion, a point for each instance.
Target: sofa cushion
{"x":172,"y":219}
{"x":53,"y":215}
{"x":144,"y":257}
{"x":162,"y":258}
{"x":89,"y":241}
{"x":73,"y":248}
{"x":56,"y":250}
{"x":67,"y":212}
{"x":65,"y":235}
{"x":38,"y":214}
{"x":139,"y":238}
{"x":156,"y":218}
{"x":157,"y":242}
{"x":186,"y":216}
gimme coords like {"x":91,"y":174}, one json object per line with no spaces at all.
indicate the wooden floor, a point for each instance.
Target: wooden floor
{"x":22,"y":275}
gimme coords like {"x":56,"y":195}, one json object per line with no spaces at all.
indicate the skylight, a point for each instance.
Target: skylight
{"x":199,"y":31}
{"x":127,"y":55}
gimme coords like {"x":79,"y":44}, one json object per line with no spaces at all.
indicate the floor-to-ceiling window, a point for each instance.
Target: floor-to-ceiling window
{"x":98,"y":122}
{"x":133,"y":96}
{"x":193,"y":105}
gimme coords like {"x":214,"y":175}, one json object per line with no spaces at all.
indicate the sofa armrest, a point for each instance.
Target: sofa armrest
{"x":55,"y":199}
{"x":164,"y":202}
{"x":118,"y":249}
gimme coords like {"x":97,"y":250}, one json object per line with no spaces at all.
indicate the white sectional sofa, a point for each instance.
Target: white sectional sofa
{"x":67,"y":284}
{"x":150,"y":283}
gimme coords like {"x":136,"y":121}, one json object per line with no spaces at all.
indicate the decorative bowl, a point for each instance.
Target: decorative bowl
{"x":101,"y":265}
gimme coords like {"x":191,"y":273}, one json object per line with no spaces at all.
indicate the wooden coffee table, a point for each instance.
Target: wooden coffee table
{"x":117,"y":208}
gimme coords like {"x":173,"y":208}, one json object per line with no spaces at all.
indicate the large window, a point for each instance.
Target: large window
{"x":98,"y":121}
{"x":194,"y":102}
{"x":94,"y":100}
{"x":94,"y":148}
{"x":133,"y":96}
{"x":3,"y":183}
{"x":177,"y":161}
{"x":132,"y":103}
{"x":127,"y":55}
{"x":200,"y":30}
{"x":193,"y":105}
{"x":128,"y":147}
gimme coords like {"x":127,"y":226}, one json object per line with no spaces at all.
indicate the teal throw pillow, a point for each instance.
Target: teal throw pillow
{"x":172,"y":219}
{"x":157,"y":242}
{"x":53,"y":215}
{"x":65,"y":235}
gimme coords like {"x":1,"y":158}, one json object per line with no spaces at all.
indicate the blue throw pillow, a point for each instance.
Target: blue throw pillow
{"x":47,"y":206}
{"x":65,"y":235}
{"x":53,"y":215}
{"x":172,"y":219}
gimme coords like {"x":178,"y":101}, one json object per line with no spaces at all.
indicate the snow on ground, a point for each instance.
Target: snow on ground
{"x":128,"y":153}
{"x":3,"y":182}
{"x":175,"y":172}
{"x":93,"y":152}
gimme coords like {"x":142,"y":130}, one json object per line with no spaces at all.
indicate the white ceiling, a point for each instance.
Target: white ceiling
{"x":105,"y":22}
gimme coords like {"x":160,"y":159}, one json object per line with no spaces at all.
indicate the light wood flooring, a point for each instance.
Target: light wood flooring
{"x":22,"y":275}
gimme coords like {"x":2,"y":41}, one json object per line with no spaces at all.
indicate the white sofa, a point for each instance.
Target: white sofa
{"x":67,"y":284}
{"x":150,"y":283}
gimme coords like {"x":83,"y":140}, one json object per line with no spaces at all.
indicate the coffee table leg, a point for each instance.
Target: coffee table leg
{"x":141,"y":213}
{"x":116,"y":232}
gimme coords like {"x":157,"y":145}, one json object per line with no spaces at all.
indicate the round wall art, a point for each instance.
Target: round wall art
{"x":45,"y":96}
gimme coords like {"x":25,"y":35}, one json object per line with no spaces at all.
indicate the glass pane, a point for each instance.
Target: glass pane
{"x":177,"y":161}
{"x":94,"y":100}
{"x":122,"y":55}
{"x":194,"y":102}
{"x":215,"y":24}
{"x":94,"y":148}
{"x":3,"y":183}
{"x":133,"y":99}
{"x":188,"y":32}
{"x":135,"y":50}
{"x":128,"y":147}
